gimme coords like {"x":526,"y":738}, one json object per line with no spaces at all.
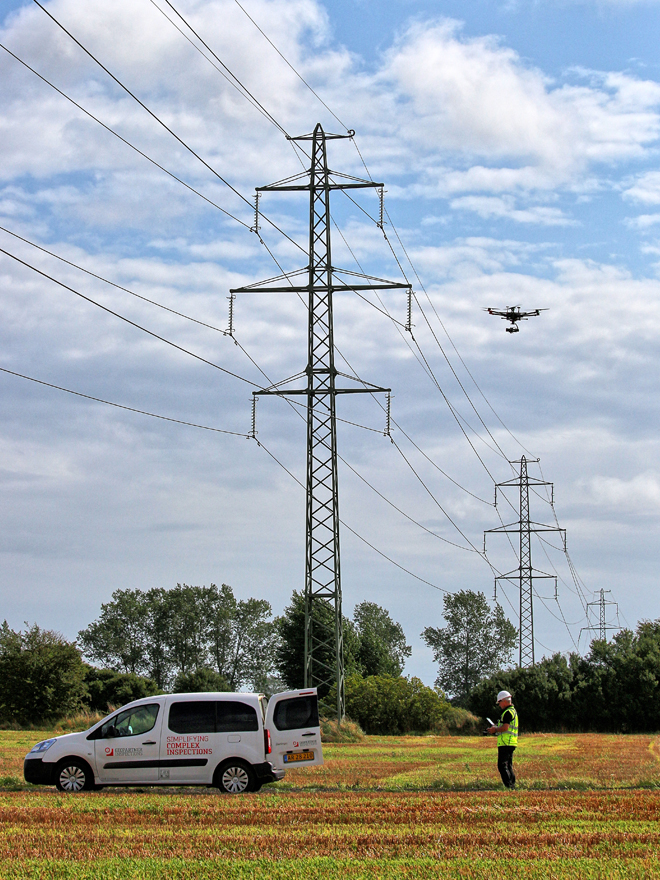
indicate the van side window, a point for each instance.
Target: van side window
{"x":234,"y":717}
{"x":131,"y":722}
{"x":192,"y":716}
{"x":296,"y":713}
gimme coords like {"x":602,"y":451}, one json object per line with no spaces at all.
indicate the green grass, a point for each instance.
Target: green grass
{"x":324,"y":868}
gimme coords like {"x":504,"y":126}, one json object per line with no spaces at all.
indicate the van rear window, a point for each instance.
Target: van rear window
{"x":234,"y":716}
{"x":209,"y":716}
{"x":297,"y":712}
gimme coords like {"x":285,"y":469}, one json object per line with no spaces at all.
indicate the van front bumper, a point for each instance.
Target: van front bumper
{"x":36,"y":772}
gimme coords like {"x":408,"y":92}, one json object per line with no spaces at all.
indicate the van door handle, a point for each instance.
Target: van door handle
{"x":149,"y":742}
{"x":309,"y":734}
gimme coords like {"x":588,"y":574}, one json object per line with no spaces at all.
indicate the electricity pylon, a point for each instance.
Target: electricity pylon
{"x":602,"y":625}
{"x":525,"y":574}
{"x":324,"y":651}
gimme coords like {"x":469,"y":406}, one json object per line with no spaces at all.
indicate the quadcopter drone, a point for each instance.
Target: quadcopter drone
{"x":513,"y":314}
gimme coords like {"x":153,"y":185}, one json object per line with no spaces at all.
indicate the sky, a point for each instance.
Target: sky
{"x":518,"y":144}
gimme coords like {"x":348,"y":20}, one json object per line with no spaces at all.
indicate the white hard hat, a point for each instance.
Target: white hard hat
{"x":503,"y":695}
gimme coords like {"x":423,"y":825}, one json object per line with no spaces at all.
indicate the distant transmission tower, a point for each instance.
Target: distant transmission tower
{"x":602,"y":626}
{"x":525,"y":574}
{"x":324,"y":653}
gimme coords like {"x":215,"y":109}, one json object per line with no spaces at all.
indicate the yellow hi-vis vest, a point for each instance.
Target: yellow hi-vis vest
{"x":510,"y":738}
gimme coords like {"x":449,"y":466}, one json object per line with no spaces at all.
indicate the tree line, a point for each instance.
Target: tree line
{"x":615,"y":688}
{"x":173,"y":636}
{"x":193,"y":638}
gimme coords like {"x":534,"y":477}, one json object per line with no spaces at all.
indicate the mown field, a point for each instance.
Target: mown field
{"x":413,"y":807}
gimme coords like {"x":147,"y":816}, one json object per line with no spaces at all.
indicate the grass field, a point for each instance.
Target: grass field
{"x":409,"y":807}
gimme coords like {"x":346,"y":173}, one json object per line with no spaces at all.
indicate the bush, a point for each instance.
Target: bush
{"x":109,"y":688}
{"x":346,"y":732}
{"x":200,"y":681}
{"x":384,"y":704}
{"x":42,"y":676}
{"x":459,"y":722}
{"x":81,"y":721}
{"x":615,"y":688}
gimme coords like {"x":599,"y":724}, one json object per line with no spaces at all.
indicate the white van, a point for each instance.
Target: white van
{"x":236,"y":742}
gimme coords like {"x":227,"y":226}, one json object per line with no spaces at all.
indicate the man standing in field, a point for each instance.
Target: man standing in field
{"x":507,"y":738}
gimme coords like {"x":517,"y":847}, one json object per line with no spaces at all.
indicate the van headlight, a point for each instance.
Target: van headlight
{"x":42,"y":746}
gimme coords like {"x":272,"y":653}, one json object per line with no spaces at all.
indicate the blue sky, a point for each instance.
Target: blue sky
{"x":518,"y":143}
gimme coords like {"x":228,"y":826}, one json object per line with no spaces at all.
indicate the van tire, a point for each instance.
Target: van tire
{"x":235,"y":777}
{"x":73,"y":776}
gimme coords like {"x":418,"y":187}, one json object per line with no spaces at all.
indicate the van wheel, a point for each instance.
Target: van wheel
{"x":73,"y":776}
{"x":235,"y":777}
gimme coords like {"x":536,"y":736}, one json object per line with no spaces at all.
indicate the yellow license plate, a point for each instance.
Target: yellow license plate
{"x":298,"y":756}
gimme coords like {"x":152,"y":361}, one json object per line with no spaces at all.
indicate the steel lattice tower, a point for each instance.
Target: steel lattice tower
{"x":603,"y":626}
{"x":324,"y":653}
{"x":525,"y":574}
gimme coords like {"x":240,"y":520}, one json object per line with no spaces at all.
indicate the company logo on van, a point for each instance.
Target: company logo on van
{"x":122,"y":753}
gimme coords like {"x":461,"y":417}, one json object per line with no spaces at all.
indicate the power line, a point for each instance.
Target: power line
{"x":231,"y":77}
{"x":127,"y":320}
{"x":163,"y":124}
{"x":353,"y":531}
{"x":121,"y":406}
{"x":123,"y":139}
{"x":112,"y":283}
{"x":288,"y":63}
{"x":454,"y":413}
{"x":385,"y":235}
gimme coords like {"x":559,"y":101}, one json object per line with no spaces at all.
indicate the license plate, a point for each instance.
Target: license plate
{"x":290,"y":757}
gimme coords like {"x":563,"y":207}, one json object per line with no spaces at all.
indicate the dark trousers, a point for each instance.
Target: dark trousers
{"x":505,"y":765}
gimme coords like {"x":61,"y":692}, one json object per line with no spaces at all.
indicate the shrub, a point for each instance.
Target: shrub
{"x":109,"y":688}
{"x":346,"y":732}
{"x":42,"y":676}
{"x":459,"y":722}
{"x":200,"y":681}
{"x":388,"y":705}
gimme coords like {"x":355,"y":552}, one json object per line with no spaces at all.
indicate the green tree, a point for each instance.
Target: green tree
{"x":474,"y":644}
{"x":42,"y":675}
{"x":107,"y":688}
{"x":181,"y":615}
{"x":254,"y":642}
{"x":200,"y":681}
{"x":382,"y":648}
{"x":118,"y":639}
{"x":164,"y":634}
{"x":290,"y":650}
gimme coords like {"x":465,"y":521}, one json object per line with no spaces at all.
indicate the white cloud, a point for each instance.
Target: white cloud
{"x":475,"y":97}
{"x":646,"y":189}
{"x":492,"y":206}
{"x":643,"y":221}
{"x":443,"y":115}
{"x":638,"y":495}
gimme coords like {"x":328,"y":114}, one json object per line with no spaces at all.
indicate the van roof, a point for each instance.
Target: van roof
{"x":197,"y":695}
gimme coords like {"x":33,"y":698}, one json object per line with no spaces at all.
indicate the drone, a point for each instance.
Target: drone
{"x":513,"y":314}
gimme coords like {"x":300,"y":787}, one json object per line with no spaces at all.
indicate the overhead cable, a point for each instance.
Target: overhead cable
{"x":127,"y":320}
{"x":121,"y":406}
{"x":288,"y":63}
{"x":123,"y":139}
{"x":223,"y":70}
{"x":112,"y":283}
{"x":164,"y":125}
{"x":352,"y":531}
